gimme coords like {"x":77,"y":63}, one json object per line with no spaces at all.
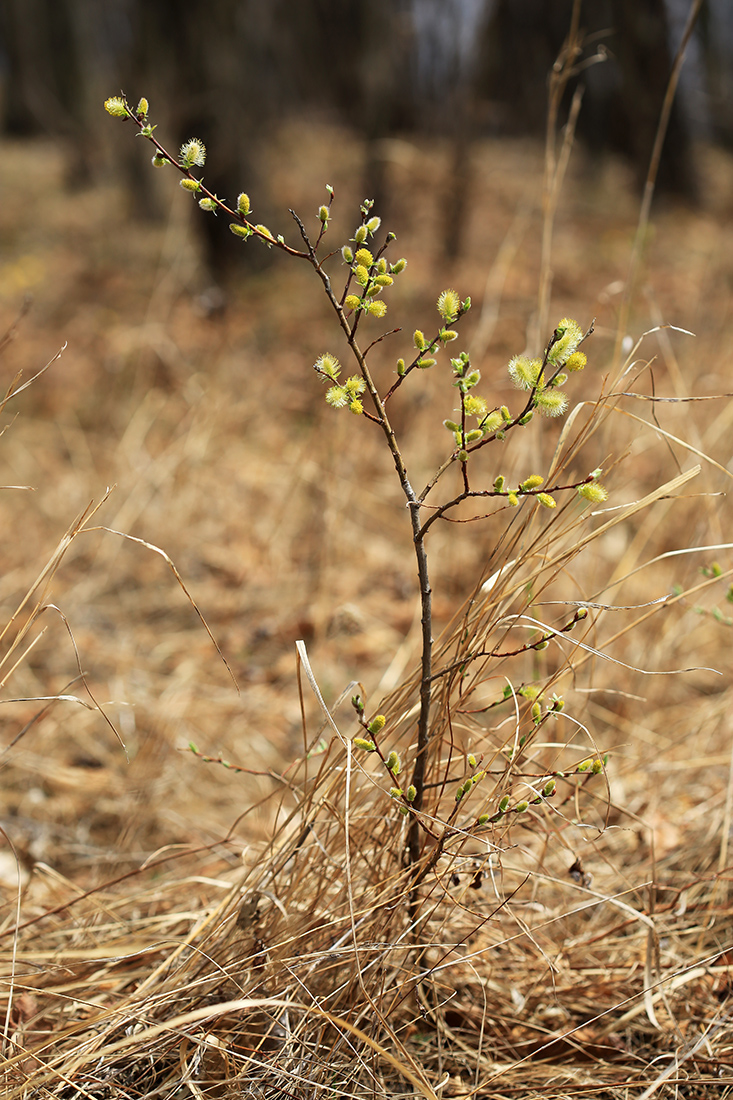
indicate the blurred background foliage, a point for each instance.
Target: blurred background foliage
{"x":231,"y":70}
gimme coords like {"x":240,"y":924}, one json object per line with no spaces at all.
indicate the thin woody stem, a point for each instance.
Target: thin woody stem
{"x":423,"y":726}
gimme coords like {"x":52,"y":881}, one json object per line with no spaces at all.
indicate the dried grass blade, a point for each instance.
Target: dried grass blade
{"x":179,"y":578}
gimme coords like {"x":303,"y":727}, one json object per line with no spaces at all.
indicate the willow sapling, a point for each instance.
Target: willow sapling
{"x":475,"y":424}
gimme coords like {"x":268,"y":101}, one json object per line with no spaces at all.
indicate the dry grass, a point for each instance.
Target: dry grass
{"x":186,"y":929}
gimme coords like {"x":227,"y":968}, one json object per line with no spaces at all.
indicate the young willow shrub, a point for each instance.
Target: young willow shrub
{"x":367,"y":276}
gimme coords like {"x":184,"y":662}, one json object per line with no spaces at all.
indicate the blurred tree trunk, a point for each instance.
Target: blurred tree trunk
{"x":624,"y":94}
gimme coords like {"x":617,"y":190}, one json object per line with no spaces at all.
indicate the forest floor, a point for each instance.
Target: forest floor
{"x":199,"y":426}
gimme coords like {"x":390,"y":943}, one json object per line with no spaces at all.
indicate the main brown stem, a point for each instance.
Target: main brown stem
{"x":418,"y":538}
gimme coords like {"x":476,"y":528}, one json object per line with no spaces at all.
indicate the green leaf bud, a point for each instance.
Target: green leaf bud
{"x":504,"y":804}
{"x":462,"y":456}
{"x":401,"y":368}
{"x":355,"y":385}
{"x":452,"y":426}
{"x":425,"y":364}
{"x":395,"y":792}
{"x":398,"y":267}
{"x":526,"y":418}
{"x":513,"y":499}
{"x":337,"y":397}
{"x":357,"y":704}
{"x":377,"y":724}
{"x":361,"y":234}
{"x":584,"y":766}
{"x":506,"y":416}
{"x":482,"y":819}
{"x":393,"y":763}
{"x":265,"y":232}
{"x":581,"y":613}
{"x":323,"y":214}
{"x":593,"y":492}
{"x":347,"y":254}
{"x":403,"y":810}
{"x":208,"y":204}
{"x":142,"y":108}
{"x":525,"y":373}
{"x":532,"y":482}
{"x":499,"y":483}
{"x":546,"y":500}
{"x":447,"y":334}
{"x":539,"y":646}
{"x":473,"y":435}
{"x":243,"y":204}
{"x":190,"y":185}
{"x":352,"y":301}
{"x":551,"y":402}
{"x":465,"y":306}
{"x":472,"y":379}
{"x":521,"y":807}
{"x":192,"y":152}
{"x":569,"y":336}
{"x":418,"y":339}
{"x":242,"y":231}
{"x":159,"y":160}
{"x":373,"y":290}
{"x":529,"y":691}
{"x":536,"y":713}
{"x":377,"y":309}
{"x":479,"y":776}
{"x":557,"y":704}
{"x":115,"y":106}
{"x":576,"y":361}
{"x":373,"y":224}
{"x":382,"y":266}
{"x":549,"y":788}
{"x":362,"y":743}
{"x":411,"y":793}
{"x":449,"y":305}
{"x":147,"y":130}
{"x":474,"y":406}
{"x":460,"y":793}
{"x":328,"y":366}
{"x":560,"y":380}
{"x":472,"y":760}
